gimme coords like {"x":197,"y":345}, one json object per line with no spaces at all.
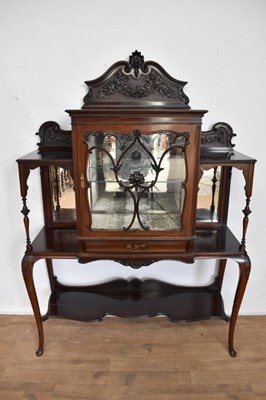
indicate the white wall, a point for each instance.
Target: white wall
{"x":49,"y":48}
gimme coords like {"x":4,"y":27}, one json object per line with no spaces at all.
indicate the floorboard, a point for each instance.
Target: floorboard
{"x":144,"y":359}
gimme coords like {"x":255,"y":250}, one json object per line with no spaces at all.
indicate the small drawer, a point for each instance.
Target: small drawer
{"x":136,"y":246}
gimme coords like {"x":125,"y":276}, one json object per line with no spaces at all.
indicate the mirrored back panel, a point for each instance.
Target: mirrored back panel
{"x":62,"y":194}
{"x":208,"y":195}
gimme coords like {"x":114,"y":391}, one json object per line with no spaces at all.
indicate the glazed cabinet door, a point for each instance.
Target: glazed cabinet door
{"x":136,"y":184}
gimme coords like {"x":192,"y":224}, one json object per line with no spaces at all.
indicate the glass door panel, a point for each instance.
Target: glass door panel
{"x":136,"y":181}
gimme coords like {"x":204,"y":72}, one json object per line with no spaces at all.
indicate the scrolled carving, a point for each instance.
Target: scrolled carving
{"x":136,"y":61}
{"x":136,"y":264}
{"x":53,"y":137}
{"x":219,"y":137}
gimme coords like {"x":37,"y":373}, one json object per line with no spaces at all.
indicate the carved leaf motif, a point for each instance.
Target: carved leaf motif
{"x":58,"y":138}
{"x":215,"y":138}
{"x":136,"y":60}
{"x":121,"y":85}
{"x":136,"y":179}
{"x":136,"y":264}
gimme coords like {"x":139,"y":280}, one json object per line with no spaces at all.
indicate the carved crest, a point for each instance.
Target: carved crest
{"x":53,"y":137}
{"x":218,"y":138}
{"x":126,"y":83}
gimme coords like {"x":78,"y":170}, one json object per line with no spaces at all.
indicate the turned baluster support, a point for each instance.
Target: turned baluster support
{"x":248,"y":172}
{"x":248,"y":175}
{"x":25,"y":211}
{"x":214,"y":181}
{"x":246,"y":213}
{"x":24,"y":173}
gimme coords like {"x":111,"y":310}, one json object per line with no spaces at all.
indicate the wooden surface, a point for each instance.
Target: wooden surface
{"x":120,"y":359}
{"x":136,"y":298}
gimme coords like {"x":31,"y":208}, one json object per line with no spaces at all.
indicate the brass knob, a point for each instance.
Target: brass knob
{"x":82,"y":181}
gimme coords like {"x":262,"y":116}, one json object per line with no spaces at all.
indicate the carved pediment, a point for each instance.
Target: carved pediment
{"x":134,"y":83}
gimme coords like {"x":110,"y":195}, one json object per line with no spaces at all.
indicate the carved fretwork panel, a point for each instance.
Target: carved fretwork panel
{"x":136,"y":83}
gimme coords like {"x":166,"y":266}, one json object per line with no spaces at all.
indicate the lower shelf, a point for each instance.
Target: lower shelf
{"x":136,"y":298}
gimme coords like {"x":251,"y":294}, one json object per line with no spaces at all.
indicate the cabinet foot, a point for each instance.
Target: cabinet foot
{"x":39,"y":352}
{"x":232,"y":353}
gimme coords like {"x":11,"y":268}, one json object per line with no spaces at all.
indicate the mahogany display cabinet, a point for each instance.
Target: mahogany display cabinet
{"x":136,"y":181}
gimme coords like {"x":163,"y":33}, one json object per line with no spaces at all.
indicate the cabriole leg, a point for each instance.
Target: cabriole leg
{"x":244,"y":271}
{"x":27,"y":271}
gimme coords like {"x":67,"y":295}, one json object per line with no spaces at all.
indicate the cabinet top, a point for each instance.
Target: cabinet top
{"x":138,"y":109}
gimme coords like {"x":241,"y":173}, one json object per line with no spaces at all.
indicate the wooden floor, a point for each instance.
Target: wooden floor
{"x":121,"y":359}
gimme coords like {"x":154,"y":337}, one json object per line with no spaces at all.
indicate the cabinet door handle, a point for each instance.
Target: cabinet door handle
{"x":82,"y":181}
{"x":140,"y":246}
